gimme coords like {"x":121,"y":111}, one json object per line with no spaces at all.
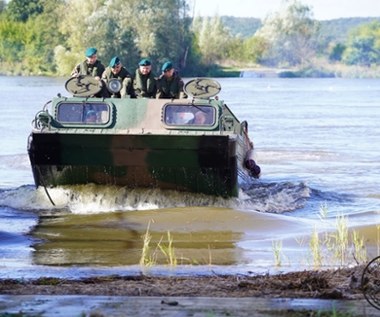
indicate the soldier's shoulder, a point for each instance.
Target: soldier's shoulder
{"x":125,"y":73}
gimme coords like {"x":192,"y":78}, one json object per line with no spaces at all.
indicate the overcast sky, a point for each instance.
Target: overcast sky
{"x":322,"y":9}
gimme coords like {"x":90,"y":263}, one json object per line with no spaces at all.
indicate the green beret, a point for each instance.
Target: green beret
{"x":114,"y":61}
{"x":167,"y":66}
{"x":145,"y":62}
{"x":91,"y":51}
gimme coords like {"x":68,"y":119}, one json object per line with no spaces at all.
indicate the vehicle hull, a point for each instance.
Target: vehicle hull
{"x":208,"y":164}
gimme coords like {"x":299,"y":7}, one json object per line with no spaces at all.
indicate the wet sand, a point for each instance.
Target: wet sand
{"x":112,"y":306}
{"x":291,"y":294}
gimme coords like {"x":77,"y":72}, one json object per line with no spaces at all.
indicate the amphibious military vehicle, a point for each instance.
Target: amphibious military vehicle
{"x":195,"y":144}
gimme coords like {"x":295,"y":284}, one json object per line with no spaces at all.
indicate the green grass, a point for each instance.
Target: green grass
{"x":149,"y":255}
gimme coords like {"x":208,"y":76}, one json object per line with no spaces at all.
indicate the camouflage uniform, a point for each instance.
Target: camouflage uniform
{"x":144,"y":86}
{"x":125,"y":78}
{"x":170,"y":88}
{"x":85,"y":68}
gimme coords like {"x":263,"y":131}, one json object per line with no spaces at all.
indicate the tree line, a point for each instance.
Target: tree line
{"x":48,"y":37}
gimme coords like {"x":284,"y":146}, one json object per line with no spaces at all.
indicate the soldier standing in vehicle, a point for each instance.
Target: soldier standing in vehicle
{"x":170,"y":84}
{"x":116,"y":70}
{"x":91,"y":66}
{"x":144,"y":83}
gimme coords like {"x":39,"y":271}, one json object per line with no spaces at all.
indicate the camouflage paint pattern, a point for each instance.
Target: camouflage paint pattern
{"x":135,"y":146}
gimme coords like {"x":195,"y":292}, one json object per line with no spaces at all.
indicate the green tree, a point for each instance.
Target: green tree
{"x":12,"y":35}
{"x":27,"y":47}
{"x":254,"y":49}
{"x":42,"y":38}
{"x":45,"y":37}
{"x":22,"y":10}
{"x":130,"y":29}
{"x":161,"y":30}
{"x":336,"y":51}
{"x":2,"y":6}
{"x":79,"y":25}
{"x":290,"y":35}
{"x":363,"y":45}
{"x":213,"y":39}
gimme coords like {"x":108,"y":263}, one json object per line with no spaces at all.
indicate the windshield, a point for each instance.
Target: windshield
{"x":83,"y":113}
{"x":198,"y":115}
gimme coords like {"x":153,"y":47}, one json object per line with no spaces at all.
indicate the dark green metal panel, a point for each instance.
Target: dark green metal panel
{"x":201,"y":164}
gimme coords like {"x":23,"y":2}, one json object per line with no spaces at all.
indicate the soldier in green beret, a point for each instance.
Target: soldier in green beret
{"x":91,"y":66}
{"x":170,"y":84}
{"x":116,"y":70}
{"x":144,"y":82}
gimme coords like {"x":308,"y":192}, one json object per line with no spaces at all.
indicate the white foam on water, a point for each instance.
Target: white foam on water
{"x":92,"y":199}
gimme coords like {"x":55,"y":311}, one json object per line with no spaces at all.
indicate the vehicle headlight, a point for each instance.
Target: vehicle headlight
{"x":114,"y":85}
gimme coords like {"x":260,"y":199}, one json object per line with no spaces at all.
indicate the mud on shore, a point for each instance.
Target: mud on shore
{"x":308,"y":293}
{"x":327,"y":284}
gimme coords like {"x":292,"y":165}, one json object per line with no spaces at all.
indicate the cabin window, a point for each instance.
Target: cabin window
{"x":88,"y":113}
{"x":189,"y":115}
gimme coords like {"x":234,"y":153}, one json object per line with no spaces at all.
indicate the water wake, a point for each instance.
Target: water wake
{"x":276,"y":197}
{"x":90,"y":199}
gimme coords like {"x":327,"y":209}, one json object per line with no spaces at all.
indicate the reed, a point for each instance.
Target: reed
{"x":341,"y":238}
{"x":359,"y":252}
{"x":315,"y":246}
{"x":277,"y":251}
{"x":149,"y":255}
{"x":168,"y":250}
{"x":146,"y":258}
{"x":339,"y":243}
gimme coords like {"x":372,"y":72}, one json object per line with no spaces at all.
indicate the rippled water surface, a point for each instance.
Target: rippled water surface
{"x":317,"y":142}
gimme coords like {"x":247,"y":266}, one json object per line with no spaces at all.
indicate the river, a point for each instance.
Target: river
{"x":317,"y":142}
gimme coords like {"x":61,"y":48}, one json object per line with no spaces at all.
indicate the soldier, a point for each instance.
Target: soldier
{"x":170,"y":84}
{"x":91,"y":66}
{"x":116,"y":70}
{"x":144,"y":83}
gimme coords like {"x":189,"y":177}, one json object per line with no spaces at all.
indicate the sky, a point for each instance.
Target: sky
{"x":322,"y":9}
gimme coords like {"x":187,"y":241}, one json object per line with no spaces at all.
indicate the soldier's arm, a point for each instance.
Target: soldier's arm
{"x":75,"y":72}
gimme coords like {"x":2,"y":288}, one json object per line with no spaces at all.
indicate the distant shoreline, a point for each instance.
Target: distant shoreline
{"x":325,"y":71}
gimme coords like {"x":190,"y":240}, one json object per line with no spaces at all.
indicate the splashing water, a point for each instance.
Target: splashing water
{"x":90,"y":199}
